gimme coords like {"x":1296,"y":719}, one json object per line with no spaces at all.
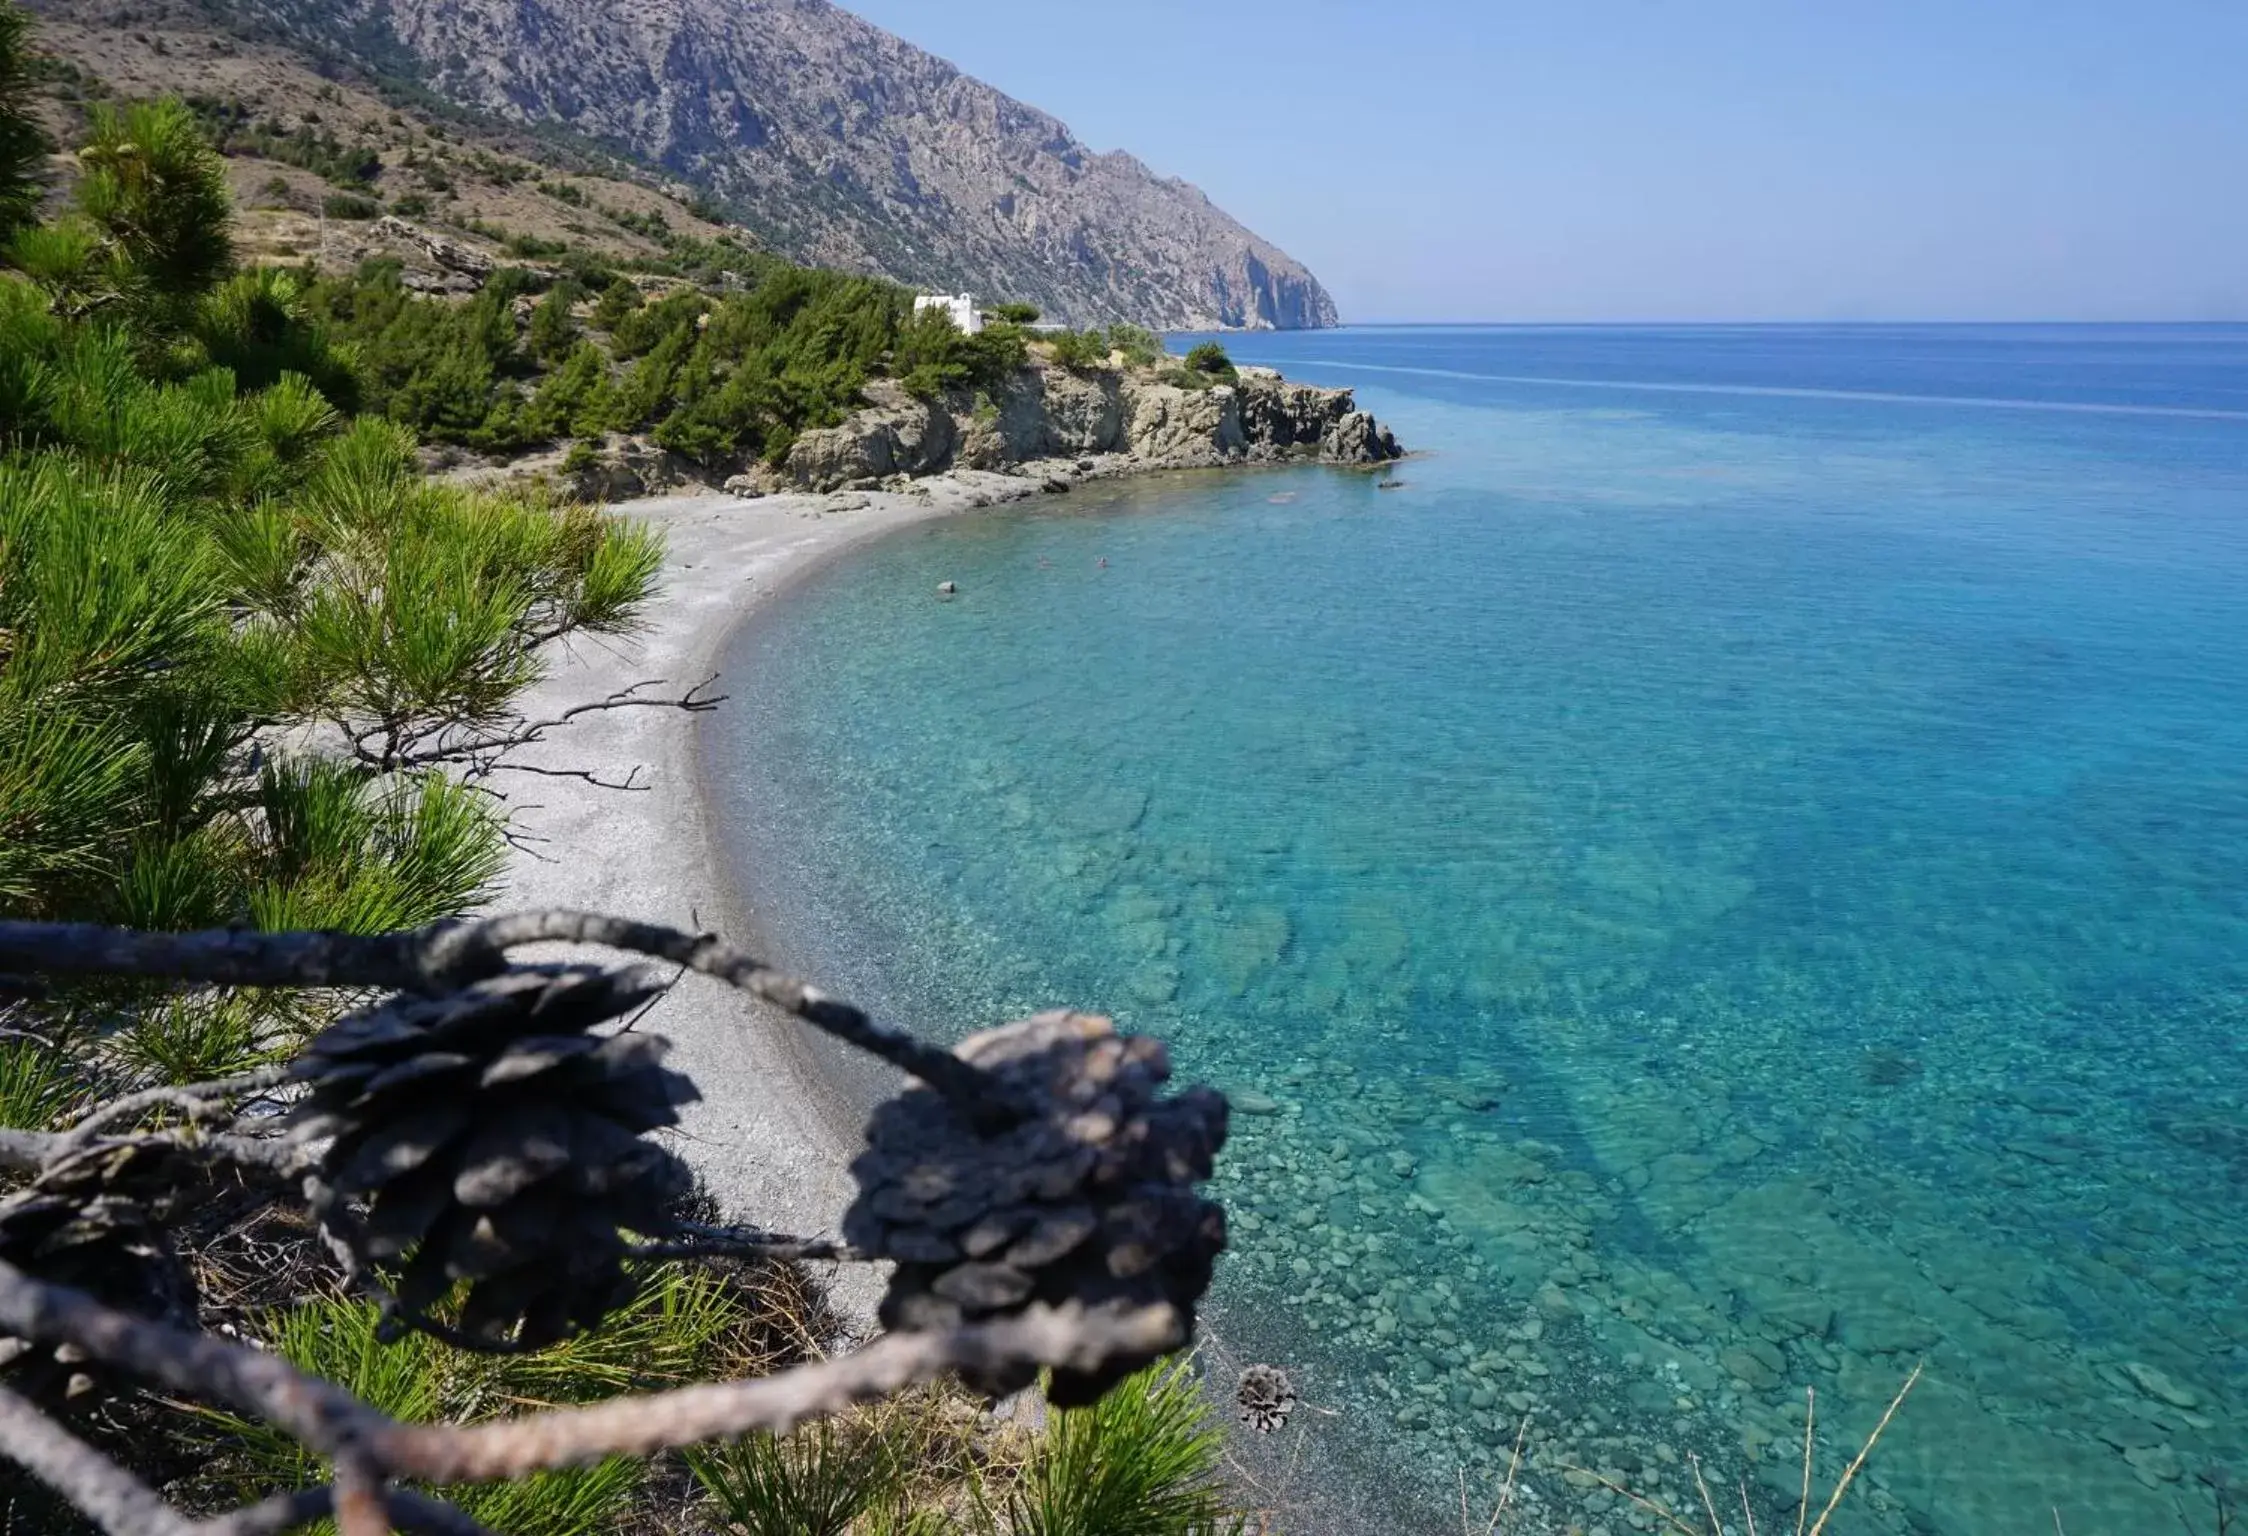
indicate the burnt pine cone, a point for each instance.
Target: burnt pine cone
{"x":494,"y":1141}
{"x":1266,"y":1396}
{"x":95,"y":1224}
{"x":1090,"y":1199}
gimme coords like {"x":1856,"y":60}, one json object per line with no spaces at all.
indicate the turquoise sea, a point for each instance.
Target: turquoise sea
{"x":1731,"y":878}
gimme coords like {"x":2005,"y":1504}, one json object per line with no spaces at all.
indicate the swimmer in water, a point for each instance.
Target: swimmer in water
{"x":1104,"y":562}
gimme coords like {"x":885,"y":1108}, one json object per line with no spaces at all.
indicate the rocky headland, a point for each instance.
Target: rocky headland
{"x":1053,"y":422}
{"x":1049,"y":428}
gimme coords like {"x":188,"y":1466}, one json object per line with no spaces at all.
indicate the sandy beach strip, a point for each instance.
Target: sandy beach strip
{"x":774,"y":1131}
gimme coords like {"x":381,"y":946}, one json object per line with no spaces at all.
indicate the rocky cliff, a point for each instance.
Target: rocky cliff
{"x":835,"y":142}
{"x":1061,"y":425}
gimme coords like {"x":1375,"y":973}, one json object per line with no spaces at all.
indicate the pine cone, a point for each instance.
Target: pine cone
{"x":1266,"y":1396}
{"x":495,"y":1141}
{"x":95,"y":1224}
{"x":1089,"y":1199}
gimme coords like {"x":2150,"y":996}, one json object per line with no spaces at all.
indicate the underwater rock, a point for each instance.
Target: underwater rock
{"x":2157,"y":1384}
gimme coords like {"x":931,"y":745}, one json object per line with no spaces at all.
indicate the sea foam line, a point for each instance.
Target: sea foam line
{"x":1783,"y":392}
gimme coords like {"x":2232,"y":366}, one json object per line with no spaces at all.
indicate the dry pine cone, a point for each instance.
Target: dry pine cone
{"x":95,"y":1224}
{"x":1090,"y":1199}
{"x":1266,"y":1396}
{"x":493,"y":1140}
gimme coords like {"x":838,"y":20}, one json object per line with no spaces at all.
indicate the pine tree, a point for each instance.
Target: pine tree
{"x":23,"y":148}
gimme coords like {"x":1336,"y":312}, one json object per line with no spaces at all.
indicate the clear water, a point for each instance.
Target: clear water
{"x":1733,"y":878}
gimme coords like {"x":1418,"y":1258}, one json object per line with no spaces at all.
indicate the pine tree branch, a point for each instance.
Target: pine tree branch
{"x":120,"y":1503}
{"x":376,"y":1449}
{"x":435,"y":959}
{"x":196,"y":1101}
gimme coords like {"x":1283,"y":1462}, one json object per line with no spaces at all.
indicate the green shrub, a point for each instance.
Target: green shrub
{"x":350,"y":205}
{"x":412,"y":206}
{"x":619,"y":299}
{"x":815,"y":1482}
{"x":1139,"y":345}
{"x":1141,"y":1462}
{"x":1080,"y":351}
{"x":553,"y":333}
{"x":1016,"y":313}
{"x":1209,"y":357}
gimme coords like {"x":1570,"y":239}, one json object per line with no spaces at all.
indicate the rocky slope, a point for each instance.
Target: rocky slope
{"x":1056,"y":424}
{"x":837,"y":143}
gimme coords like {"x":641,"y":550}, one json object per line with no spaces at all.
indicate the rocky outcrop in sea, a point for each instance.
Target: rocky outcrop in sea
{"x":1052,"y":417}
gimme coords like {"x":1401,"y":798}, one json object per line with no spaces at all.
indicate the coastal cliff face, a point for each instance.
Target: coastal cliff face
{"x":838,"y":145}
{"x":1051,"y":420}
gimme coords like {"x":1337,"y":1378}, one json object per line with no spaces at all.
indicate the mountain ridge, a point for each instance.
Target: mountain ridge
{"x":836,"y":143}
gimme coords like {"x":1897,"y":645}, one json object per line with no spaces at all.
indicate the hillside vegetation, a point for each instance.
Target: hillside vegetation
{"x":833,"y":142}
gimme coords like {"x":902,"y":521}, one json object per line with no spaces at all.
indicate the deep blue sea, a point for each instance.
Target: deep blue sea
{"x":1728,"y":875}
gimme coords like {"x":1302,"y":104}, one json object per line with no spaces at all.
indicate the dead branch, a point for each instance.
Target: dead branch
{"x":482,"y":752}
{"x":195,"y":1101}
{"x":111,"y":1497}
{"x":432,"y":960}
{"x":380,"y":1449}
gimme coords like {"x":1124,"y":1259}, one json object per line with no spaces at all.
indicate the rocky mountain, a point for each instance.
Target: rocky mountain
{"x":836,"y":143}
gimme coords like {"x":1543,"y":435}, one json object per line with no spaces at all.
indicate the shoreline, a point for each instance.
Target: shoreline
{"x":780,"y":1117}
{"x":782,"y":1107}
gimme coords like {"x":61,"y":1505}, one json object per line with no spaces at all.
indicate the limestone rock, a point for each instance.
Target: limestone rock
{"x":1359,"y":439}
{"x":1046,"y":420}
{"x":1173,"y":425}
{"x":895,"y":434}
{"x":449,"y":254}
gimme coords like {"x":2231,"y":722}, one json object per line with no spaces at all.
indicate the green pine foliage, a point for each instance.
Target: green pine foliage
{"x":23,"y":147}
{"x":1143,"y":1461}
{"x":1080,"y":351}
{"x":1210,"y":357}
{"x":157,"y":193}
{"x":204,"y":548}
{"x":815,"y":1482}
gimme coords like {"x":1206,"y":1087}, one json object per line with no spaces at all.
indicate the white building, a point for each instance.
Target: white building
{"x":960,"y":306}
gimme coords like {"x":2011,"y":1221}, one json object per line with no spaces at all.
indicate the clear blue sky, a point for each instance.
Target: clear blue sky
{"x":1675,"y":159}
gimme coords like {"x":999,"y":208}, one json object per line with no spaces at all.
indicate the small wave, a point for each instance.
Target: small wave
{"x":1787,"y":392}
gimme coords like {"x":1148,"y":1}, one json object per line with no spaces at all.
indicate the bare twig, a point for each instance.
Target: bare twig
{"x":333,"y":1422}
{"x":113,"y":1498}
{"x":699,"y":1241}
{"x":45,"y":1152}
{"x":1810,"y":1421}
{"x":1850,"y":1474}
{"x":484,"y":752}
{"x":436,"y":959}
{"x":966,"y":1086}
{"x":416,"y":1514}
{"x":1649,"y":1505}
{"x":1709,"y":1505}
{"x":195,"y":1101}
{"x":630,"y":783}
{"x":359,"y":1504}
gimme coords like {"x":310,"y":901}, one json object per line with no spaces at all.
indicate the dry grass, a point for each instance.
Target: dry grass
{"x":1705,"y":1521}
